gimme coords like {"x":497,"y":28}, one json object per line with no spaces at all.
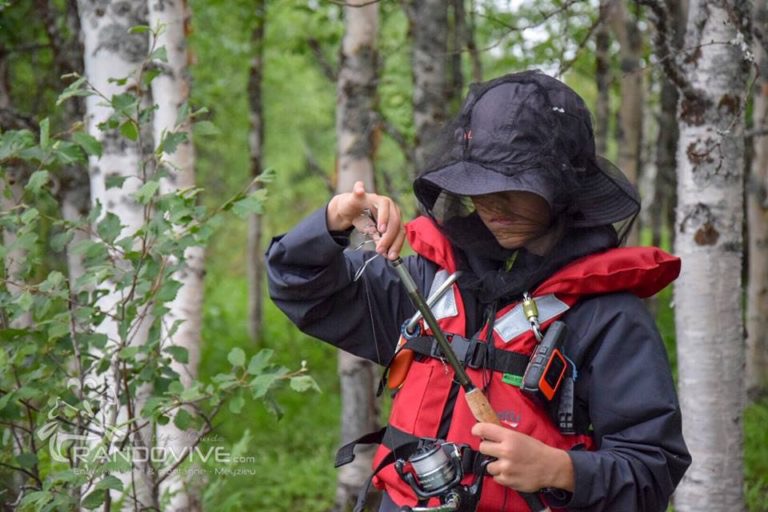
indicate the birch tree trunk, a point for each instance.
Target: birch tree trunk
{"x":708,"y":294}
{"x":355,"y":122}
{"x":110,"y":51}
{"x":256,"y":143}
{"x":428,"y":29}
{"x":757,"y":223}
{"x":631,"y":108}
{"x":170,"y":91}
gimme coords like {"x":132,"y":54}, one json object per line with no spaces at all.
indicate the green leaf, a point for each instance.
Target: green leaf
{"x":260,"y":361}
{"x":129,"y":352}
{"x":268,"y":175}
{"x":110,"y":482}
{"x":302,"y":383}
{"x":146,"y":192}
{"x":67,"y":153}
{"x":183,"y":114}
{"x":124,"y":102}
{"x":94,"y":499}
{"x":182,"y":419}
{"x":54,"y":281}
{"x":45,"y":134}
{"x":129,"y":130}
{"x":251,"y":204}
{"x":192,"y":393}
{"x":273,"y":407}
{"x":59,"y":241}
{"x":25,"y":300}
{"x":139,"y":29}
{"x":26,"y":460}
{"x":236,"y":404}
{"x":236,"y":357}
{"x":261,"y":384}
{"x":76,"y":88}
{"x":109,"y":227}
{"x":29,"y":215}
{"x":89,"y":144}
{"x":180,"y":354}
{"x":159,"y":54}
{"x":205,"y":129}
{"x":150,"y":75}
{"x":115,"y":181}
{"x":59,"y":326}
{"x":175,"y":388}
{"x":37,"y":181}
{"x":171,"y":141}
{"x":168,"y":290}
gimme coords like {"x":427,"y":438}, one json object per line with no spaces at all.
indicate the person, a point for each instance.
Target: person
{"x":517,"y":201}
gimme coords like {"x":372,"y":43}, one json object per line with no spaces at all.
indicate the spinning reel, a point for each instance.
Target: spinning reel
{"x":435,"y":470}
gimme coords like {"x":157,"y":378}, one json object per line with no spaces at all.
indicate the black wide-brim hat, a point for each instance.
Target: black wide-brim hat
{"x":527,"y":132}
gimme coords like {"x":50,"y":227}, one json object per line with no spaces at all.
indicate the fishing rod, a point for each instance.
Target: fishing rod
{"x":476,"y":400}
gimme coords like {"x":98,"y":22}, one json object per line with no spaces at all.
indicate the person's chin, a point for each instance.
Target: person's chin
{"x":507,"y":243}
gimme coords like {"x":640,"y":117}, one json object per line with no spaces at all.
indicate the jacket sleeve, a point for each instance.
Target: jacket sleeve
{"x":310,"y":278}
{"x":626,"y":383}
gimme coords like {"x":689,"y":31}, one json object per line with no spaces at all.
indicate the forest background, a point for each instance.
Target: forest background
{"x":290,"y":52}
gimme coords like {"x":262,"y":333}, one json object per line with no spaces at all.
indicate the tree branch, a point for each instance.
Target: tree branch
{"x":661,"y":42}
{"x":329,"y":70}
{"x":396,"y":135}
{"x":313,"y":168}
{"x":565,"y":66}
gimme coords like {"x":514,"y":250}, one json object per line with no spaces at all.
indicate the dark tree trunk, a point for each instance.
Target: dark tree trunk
{"x":256,"y":143}
{"x":428,"y":29}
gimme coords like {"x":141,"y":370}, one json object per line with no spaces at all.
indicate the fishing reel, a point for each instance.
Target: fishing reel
{"x":435,"y":470}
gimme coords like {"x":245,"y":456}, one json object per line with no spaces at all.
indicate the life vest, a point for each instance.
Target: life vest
{"x":429,"y":395}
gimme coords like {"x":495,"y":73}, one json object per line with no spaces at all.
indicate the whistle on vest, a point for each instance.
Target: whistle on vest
{"x":547,"y":366}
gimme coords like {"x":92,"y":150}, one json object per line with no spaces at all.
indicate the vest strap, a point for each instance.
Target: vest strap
{"x":473,"y":353}
{"x":346,"y":453}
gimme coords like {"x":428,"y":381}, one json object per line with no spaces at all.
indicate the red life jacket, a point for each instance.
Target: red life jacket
{"x":419,"y":405}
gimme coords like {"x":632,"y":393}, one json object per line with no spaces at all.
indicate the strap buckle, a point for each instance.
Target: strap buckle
{"x":466,"y":350}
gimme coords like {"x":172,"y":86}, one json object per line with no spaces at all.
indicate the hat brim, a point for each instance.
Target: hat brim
{"x":472,"y":179}
{"x":604,"y":196}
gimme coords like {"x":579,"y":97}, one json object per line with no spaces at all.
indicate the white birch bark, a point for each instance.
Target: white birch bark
{"x":708,"y":294}
{"x":111,"y":51}
{"x":170,"y":90}
{"x":356,"y":93}
{"x":757,"y":224}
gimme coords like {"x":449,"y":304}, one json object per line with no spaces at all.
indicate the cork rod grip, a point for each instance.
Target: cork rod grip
{"x":480,"y":407}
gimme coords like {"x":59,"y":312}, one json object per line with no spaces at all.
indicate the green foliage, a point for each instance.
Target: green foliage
{"x":87,"y":364}
{"x":756,"y":456}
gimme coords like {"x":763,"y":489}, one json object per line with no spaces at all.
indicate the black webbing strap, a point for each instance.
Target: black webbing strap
{"x":471,"y":352}
{"x":346,"y":453}
{"x":402,"y":452}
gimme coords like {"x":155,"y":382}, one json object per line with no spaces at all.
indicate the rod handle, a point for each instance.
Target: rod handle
{"x":481,"y":407}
